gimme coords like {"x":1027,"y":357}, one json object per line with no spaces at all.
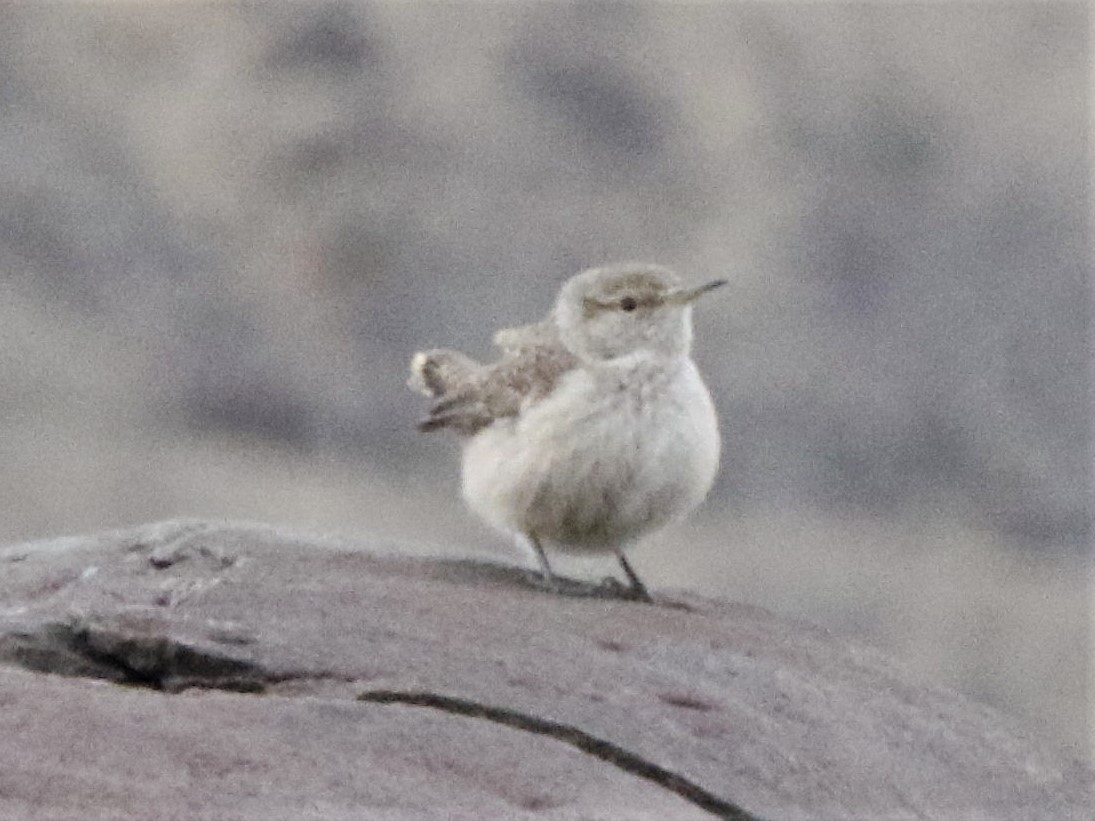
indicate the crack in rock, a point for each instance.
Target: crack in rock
{"x":592,"y":745}
{"x":77,"y":648}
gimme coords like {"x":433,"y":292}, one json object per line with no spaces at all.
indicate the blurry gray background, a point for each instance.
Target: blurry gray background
{"x":224,"y":229}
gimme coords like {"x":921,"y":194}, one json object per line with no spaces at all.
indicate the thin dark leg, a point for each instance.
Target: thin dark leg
{"x":637,"y":587}
{"x":541,"y":557}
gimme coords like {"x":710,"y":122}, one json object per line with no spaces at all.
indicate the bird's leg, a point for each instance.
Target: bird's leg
{"x":611,"y":588}
{"x":638,"y":589}
{"x":530,"y":543}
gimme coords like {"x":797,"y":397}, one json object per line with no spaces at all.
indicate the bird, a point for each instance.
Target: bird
{"x":594,"y":428}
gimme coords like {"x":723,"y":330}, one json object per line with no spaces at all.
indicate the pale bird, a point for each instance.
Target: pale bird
{"x":594,"y":428}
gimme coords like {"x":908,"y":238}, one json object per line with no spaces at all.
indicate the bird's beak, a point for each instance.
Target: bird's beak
{"x":685,"y":297}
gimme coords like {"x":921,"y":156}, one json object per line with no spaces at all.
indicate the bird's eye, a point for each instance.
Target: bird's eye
{"x":628,"y":304}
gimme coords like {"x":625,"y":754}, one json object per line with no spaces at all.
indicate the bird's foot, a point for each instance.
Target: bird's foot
{"x":562,"y":586}
{"x":607,"y":588}
{"x":616,"y":589}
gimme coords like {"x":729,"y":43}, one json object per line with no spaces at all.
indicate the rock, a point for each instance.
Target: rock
{"x":194,"y":670}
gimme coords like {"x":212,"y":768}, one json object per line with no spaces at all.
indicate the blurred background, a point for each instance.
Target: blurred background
{"x":225,"y":228}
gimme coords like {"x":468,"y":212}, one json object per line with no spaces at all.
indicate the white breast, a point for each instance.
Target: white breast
{"x":613,"y":453}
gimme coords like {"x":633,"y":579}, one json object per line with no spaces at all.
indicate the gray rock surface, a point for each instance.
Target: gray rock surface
{"x":192,"y":670}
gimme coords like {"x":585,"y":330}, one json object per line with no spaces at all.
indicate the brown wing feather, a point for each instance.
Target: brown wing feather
{"x":471,"y":396}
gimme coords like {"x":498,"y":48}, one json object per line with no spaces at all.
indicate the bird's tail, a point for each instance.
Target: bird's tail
{"x":449,"y":378}
{"x":441,"y":373}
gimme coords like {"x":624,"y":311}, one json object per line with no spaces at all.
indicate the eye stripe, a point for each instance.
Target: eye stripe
{"x":629,"y":303}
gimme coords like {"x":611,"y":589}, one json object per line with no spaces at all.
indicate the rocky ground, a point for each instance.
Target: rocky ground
{"x":191,"y":670}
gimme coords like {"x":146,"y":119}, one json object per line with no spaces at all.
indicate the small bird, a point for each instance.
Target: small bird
{"x":594,"y":428}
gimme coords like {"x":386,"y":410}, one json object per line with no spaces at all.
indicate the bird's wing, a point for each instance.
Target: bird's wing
{"x":471,"y":396}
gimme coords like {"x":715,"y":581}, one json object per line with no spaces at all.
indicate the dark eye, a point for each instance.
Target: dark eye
{"x":628,"y":304}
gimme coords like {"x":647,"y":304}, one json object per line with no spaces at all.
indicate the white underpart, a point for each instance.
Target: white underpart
{"x":619,"y":449}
